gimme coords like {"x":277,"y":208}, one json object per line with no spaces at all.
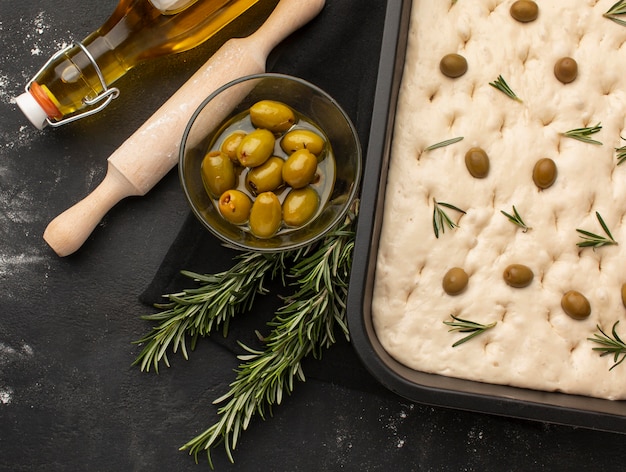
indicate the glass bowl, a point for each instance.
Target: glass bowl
{"x":208,"y":127}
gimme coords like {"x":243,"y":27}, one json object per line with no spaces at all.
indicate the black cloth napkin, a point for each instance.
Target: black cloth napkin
{"x":339,"y":52}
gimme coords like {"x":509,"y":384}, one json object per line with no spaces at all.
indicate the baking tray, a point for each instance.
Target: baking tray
{"x":432,"y":389}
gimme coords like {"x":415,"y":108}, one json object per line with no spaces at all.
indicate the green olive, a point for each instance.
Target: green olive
{"x":455,"y":281}
{"x":477,"y":162}
{"x":234,"y":205}
{"x":524,"y":11}
{"x":231,"y":143}
{"x":518,"y":275}
{"x":453,"y":65}
{"x":274,"y":116}
{"x":218,"y":173}
{"x":544,"y":173}
{"x":299,"y":169}
{"x":300,"y":205}
{"x":566,"y":70}
{"x":266,"y":177}
{"x":576,"y":305}
{"x":265,"y":215}
{"x":624,"y":295}
{"x":302,"y":139}
{"x":255,"y":148}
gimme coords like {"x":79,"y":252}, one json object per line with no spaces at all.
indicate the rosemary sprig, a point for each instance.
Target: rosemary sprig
{"x":594,"y":240}
{"x":618,"y":8}
{"x":501,"y":85}
{"x":582,"y":134}
{"x":613,"y":345}
{"x":441,"y":144}
{"x":516,"y":219}
{"x":303,"y":326}
{"x":466,"y":326}
{"x":197,"y":312}
{"x":441,"y":219}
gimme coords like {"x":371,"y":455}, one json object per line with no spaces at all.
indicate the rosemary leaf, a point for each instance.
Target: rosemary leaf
{"x":516,"y":219}
{"x":621,"y":154}
{"x":467,"y":326}
{"x":613,"y":13}
{"x":441,"y":219}
{"x":609,"y":345}
{"x":304,"y":325}
{"x":447,"y":142}
{"x":582,"y":134}
{"x":501,"y":85}
{"x":197,"y":312}
{"x":590,"y":239}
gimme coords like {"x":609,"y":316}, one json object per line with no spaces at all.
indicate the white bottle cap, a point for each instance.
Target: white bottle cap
{"x":33,"y":111}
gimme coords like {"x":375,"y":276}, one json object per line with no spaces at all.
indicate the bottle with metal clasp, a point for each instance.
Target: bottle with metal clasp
{"x":76,"y":81}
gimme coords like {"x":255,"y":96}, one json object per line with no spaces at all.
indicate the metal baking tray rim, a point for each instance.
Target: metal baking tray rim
{"x":421,"y":387}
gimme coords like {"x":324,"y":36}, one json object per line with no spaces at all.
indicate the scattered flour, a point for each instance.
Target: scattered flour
{"x":18,"y":208}
{"x":6,"y":395}
{"x":10,"y":354}
{"x":11,"y":264}
{"x":394,"y":422}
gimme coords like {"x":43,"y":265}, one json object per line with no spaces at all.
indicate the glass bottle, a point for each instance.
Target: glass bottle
{"x":75,"y":82}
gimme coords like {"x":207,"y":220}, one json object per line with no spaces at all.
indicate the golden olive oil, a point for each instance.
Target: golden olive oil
{"x":135,"y":32}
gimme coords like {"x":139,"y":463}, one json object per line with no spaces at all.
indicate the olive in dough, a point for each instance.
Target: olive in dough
{"x":524,"y":11}
{"x":544,"y":173}
{"x":518,"y":275}
{"x":453,"y":65}
{"x":566,"y":70}
{"x":477,"y":162}
{"x":455,"y":281}
{"x":576,"y":305}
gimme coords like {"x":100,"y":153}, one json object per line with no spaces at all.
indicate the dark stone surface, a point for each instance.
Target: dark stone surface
{"x":70,"y":399}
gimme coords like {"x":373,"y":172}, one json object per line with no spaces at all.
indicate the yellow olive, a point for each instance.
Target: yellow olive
{"x":453,"y":65}
{"x":255,"y":148}
{"x":566,"y":70}
{"x":234,"y":205}
{"x":544,"y":173}
{"x":518,"y":275}
{"x":455,"y":281}
{"x":524,"y":11}
{"x":302,"y":139}
{"x":576,"y":305}
{"x":266,"y":177}
{"x":300,"y":205}
{"x":231,"y":143}
{"x":218,"y":173}
{"x":299,"y":169}
{"x":274,"y":116}
{"x":477,"y":162}
{"x":265,"y":215}
{"x":624,"y":295}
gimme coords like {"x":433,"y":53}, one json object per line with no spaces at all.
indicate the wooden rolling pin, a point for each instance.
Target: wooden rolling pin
{"x":152,"y":151}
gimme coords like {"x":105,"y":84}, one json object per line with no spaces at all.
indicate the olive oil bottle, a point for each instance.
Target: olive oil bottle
{"x":76,"y":81}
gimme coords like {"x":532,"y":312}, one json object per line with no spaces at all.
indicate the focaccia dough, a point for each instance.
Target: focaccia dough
{"x":534,"y":344}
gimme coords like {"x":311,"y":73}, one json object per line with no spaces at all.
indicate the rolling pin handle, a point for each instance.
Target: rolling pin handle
{"x":68,"y":231}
